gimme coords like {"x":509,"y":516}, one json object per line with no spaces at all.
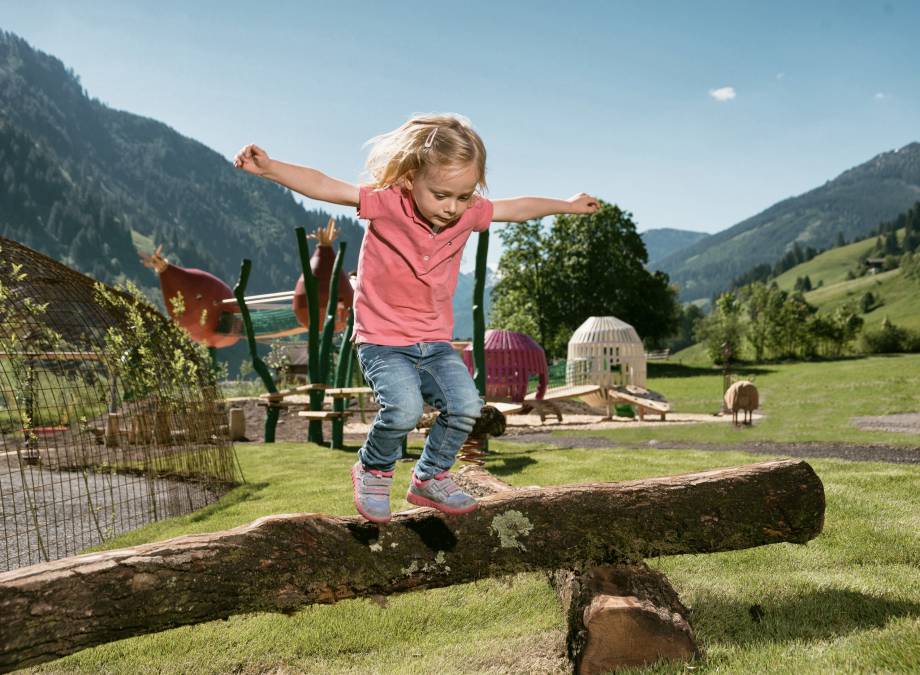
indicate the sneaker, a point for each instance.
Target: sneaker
{"x":441,"y":493}
{"x":372,"y":492}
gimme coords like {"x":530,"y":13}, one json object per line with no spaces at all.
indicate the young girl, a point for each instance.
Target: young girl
{"x":423,"y":203}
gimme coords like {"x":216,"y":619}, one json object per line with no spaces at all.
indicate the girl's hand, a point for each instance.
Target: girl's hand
{"x":583,"y":203}
{"x":252,"y":159}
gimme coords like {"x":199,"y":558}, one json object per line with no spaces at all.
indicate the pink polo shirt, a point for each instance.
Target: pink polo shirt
{"x":407,"y":274}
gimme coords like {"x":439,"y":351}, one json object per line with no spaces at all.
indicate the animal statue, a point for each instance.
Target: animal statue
{"x":742,"y":395}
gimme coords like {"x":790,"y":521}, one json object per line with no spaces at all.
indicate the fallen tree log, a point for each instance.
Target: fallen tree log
{"x":281,"y":563}
{"x":617,"y":616}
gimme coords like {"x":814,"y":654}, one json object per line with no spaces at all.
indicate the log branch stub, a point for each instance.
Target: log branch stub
{"x":283,"y":562}
{"x":616,"y":615}
{"x":491,"y":421}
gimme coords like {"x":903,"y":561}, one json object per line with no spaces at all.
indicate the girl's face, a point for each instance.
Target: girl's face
{"x":442,"y":194}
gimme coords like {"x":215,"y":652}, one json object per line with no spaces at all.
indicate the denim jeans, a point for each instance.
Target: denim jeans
{"x":402,"y":378}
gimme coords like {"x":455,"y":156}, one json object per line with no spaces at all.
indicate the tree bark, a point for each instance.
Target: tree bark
{"x":491,"y":421}
{"x":281,"y":563}
{"x":616,"y":615}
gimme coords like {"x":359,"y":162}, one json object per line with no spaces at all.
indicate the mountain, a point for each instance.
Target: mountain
{"x":851,"y":204}
{"x":665,"y":241}
{"x":82,"y":181}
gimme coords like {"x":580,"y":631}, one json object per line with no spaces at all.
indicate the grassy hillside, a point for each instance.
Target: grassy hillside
{"x":898,"y":293}
{"x":830,"y":267}
{"x":851,"y":204}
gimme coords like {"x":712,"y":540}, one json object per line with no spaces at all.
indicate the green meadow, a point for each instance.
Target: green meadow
{"x":848,"y":601}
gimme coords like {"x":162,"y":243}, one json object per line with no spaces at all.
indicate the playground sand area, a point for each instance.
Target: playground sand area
{"x":576,"y":415}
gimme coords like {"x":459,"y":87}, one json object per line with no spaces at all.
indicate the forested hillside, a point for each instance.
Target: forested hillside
{"x":79,"y":178}
{"x":851,"y":205}
{"x":664,"y":241}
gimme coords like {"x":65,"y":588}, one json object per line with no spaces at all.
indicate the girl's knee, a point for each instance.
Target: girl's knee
{"x":469,"y":408}
{"x":402,"y":417}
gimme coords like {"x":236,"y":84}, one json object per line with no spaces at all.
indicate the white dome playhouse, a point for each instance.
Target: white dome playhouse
{"x":609,"y":353}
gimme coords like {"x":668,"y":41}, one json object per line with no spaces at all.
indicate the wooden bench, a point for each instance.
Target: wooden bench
{"x":324,"y":414}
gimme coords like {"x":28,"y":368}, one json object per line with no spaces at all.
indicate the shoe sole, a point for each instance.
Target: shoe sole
{"x":418,"y":500}
{"x":365,"y":514}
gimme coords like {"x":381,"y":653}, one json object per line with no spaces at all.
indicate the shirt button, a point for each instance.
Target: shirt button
{"x":450,"y":243}
{"x":425,"y":258}
{"x":431,"y":236}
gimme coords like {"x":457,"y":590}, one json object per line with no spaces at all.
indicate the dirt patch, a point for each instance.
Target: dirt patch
{"x":906,"y":423}
{"x":849,"y":451}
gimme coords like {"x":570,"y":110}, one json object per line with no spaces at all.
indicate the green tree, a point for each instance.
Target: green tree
{"x":762,"y":301}
{"x":521,"y":297}
{"x":550,"y":281}
{"x":723,"y":328}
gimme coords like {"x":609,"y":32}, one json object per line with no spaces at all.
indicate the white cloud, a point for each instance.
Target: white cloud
{"x":723,"y":94}
{"x":879,"y":96}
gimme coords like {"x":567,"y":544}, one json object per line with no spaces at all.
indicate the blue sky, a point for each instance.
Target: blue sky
{"x":693,"y":115}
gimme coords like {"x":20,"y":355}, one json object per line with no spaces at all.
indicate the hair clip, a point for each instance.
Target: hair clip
{"x":430,"y":140}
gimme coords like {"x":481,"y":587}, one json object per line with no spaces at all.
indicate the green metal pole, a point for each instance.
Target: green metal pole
{"x":239,"y":292}
{"x":315,"y":431}
{"x":479,"y":318}
{"x":479,"y":315}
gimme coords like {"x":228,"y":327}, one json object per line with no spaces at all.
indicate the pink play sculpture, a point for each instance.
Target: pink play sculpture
{"x":510,"y":359}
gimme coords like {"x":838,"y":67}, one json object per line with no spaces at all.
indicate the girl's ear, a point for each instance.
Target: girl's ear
{"x":406,"y":181}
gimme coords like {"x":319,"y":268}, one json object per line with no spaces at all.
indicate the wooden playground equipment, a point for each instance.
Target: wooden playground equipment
{"x":218,"y":317}
{"x":608,"y":352}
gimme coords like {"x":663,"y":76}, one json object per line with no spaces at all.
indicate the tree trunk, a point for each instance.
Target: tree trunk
{"x":617,"y":615}
{"x":281,"y":563}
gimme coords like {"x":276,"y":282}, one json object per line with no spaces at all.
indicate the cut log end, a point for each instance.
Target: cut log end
{"x":621,"y":616}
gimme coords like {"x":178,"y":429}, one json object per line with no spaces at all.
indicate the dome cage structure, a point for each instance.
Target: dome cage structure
{"x":511,"y":358}
{"x":607,"y":352}
{"x":110,"y":416}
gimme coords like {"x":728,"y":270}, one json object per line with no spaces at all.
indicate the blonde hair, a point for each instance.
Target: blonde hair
{"x":424,"y":141}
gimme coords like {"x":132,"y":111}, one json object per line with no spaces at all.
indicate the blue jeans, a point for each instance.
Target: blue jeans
{"x":402,"y":378}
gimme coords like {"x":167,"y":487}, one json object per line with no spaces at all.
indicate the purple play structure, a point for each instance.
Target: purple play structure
{"x":511,"y":358}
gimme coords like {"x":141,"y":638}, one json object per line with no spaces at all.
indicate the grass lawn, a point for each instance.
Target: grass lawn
{"x":847,"y":602}
{"x":812,"y":401}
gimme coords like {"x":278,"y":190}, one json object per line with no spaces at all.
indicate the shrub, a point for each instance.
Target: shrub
{"x":891,"y":339}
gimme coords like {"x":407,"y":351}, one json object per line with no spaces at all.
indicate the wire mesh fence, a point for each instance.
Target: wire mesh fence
{"x":110,"y":416}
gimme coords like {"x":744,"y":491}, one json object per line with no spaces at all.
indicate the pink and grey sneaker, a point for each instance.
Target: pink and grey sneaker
{"x":372,"y":492}
{"x":441,"y":493}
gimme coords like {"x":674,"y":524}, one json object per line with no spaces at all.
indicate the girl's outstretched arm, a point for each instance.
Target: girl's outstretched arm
{"x":308,"y":182}
{"x":519,"y":209}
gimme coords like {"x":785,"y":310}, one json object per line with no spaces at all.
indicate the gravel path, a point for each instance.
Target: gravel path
{"x":73,"y":510}
{"x":907,"y":423}
{"x":849,"y":451}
